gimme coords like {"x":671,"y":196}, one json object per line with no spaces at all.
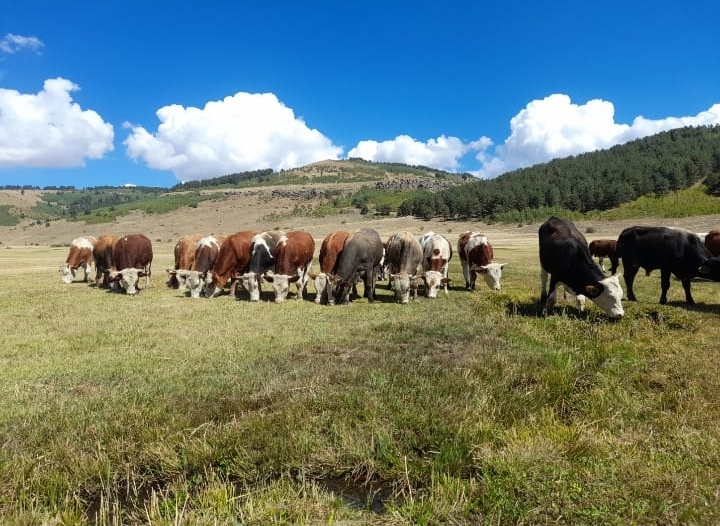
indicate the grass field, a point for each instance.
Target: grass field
{"x":468,"y":409}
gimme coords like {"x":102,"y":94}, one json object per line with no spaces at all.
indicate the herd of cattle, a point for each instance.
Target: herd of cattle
{"x":204,"y":265}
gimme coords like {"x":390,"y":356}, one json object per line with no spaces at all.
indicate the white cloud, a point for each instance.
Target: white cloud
{"x":554,"y":127}
{"x":13,"y":43}
{"x":48,"y":129}
{"x":443,"y":153}
{"x":246,"y":131}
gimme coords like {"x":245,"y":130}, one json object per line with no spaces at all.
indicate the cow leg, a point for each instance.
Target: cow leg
{"x":665,"y":285}
{"x":630,"y":272}
{"x":466,"y":273}
{"x":543,"y":285}
{"x":473,"y":278}
{"x":552,"y":294}
{"x":601,"y":261}
{"x":614,"y":263}
{"x":686,"y":285}
{"x":370,"y":278}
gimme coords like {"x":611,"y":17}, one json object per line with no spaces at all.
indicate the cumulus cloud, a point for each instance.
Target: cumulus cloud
{"x":443,"y":153}
{"x":48,"y":129}
{"x":10,"y":44}
{"x":555,"y":127}
{"x":246,"y":131}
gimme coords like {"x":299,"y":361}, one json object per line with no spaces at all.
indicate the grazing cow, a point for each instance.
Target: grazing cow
{"x":184,"y":253}
{"x":206,"y":252}
{"x":565,"y":256}
{"x":79,"y":256}
{"x":360,"y":259}
{"x":404,"y":255}
{"x":672,"y":250}
{"x":605,"y":248}
{"x":712,"y":242}
{"x":103,"y":257}
{"x":233,"y":259}
{"x":293,"y":256}
{"x":476,"y":254}
{"x":330,"y":250}
{"x":132,"y":258}
{"x":437,"y":253}
{"x":262,"y":258}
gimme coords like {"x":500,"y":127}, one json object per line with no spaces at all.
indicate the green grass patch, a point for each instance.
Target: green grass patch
{"x":683,"y":203}
{"x":7,"y":218}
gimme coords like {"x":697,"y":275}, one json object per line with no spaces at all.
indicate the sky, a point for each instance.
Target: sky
{"x":158,"y":92}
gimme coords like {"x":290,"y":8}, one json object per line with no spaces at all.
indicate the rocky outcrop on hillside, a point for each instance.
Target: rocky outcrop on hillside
{"x":414,"y":184}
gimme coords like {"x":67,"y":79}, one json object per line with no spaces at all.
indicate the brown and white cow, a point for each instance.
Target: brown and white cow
{"x":79,"y":257}
{"x":476,"y":255}
{"x":262,"y":258}
{"x":184,"y":253}
{"x":293,"y":256}
{"x":233,"y":259}
{"x":403,"y":256}
{"x":331,"y":248}
{"x":207,"y":250}
{"x":437,"y":253}
{"x":712,"y":242}
{"x":132,"y":259}
{"x":103,"y":257}
{"x":605,"y":248}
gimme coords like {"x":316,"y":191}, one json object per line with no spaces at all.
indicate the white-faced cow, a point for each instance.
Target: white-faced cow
{"x":403,"y":256}
{"x":360,"y":259}
{"x":605,"y":248}
{"x":184,"y":253}
{"x":565,"y":256}
{"x":206,"y":252}
{"x":672,"y":250}
{"x":233,"y":259}
{"x":330,"y":250}
{"x":103,"y":257}
{"x":293,"y":256}
{"x":262,"y":258}
{"x":437,"y":253}
{"x":712,"y":242}
{"x":79,"y":257}
{"x":132,"y":258}
{"x":476,"y":256}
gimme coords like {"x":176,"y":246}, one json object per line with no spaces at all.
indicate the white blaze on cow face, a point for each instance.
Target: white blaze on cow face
{"x":320,"y":281}
{"x":67,"y":274}
{"x":251,"y":282}
{"x":433,"y":281}
{"x":491,"y":273}
{"x":128,"y":279}
{"x":402,"y":285}
{"x":610,"y":299}
{"x":191,"y":280}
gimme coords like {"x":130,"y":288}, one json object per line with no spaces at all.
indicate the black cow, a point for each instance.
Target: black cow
{"x":360,"y":259}
{"x":564,"y":254}
{"x":672,"y":250}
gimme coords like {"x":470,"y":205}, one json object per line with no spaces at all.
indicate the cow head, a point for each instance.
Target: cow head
{"x":281,"y":284}
{"x":340,"y":290}
{"x":212,"y":287}
{"x":491,"y":273}
{"x":607,"y":294}
{"x":402,"y":284}
{"x":251,"y":282}
{"x":128,"y":278}
{"x":192,"y":280}
{"x":175,"y":280}
{"x":320,"y":281}
{"x":433,"y":281}
{"x":67,"y":273}
{"x":710,"y":269}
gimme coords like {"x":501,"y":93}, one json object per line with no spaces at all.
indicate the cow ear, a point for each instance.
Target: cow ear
{"x":293,"y":279}
{"x":171,"y":271}
{"x":268,"y":277}
{"x":593,"y":291}
{"x":445,"y":280}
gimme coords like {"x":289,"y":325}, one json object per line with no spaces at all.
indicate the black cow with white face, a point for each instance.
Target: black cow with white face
{"x":565,"y":256}
{"x":360,"y":259}
{"x":672,"y":250}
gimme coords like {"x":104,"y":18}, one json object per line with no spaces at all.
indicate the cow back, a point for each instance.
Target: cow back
{"x":403,"y":253}
{"x":651,"y":247}
{"x":133,"y":251}
{"x":363,"y":250}
{"x":206,"y":252}
{"x":330,"y":250}
{"x":293,"y":251}
{"x":234,"y":256}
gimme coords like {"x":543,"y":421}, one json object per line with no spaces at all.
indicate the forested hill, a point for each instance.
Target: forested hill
{"x":601,"y":180}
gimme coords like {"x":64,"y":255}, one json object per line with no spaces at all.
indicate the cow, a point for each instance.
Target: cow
{"x":360,"y":259}
{"x":184,"y":253}
{"x":672,"y":250}
{"x":565,"y":257}
{"x":712,"y":242}
{"x":476,"y":255}
{"x":103,"y":258}
{"x":132,"y":260}
{"x":233,"y":259}
{"x":605,"y":248}
{"x":293,"y":257}
{"x":262,"y":258}
{"x":437,"y":253}
{"x":403,"y":256}
{"x":79,"y":257}
{"x":710,"y":268}
{"x":206,"y":252}
{"x":330,"y":250}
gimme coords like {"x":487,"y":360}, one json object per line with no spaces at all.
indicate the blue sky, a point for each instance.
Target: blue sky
{"x":156,"y":92}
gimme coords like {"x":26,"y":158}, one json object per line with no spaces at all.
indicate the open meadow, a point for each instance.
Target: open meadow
{"x":466,"y":409}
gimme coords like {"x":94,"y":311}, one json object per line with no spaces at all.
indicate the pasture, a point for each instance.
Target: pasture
{"x":467,"y":409}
